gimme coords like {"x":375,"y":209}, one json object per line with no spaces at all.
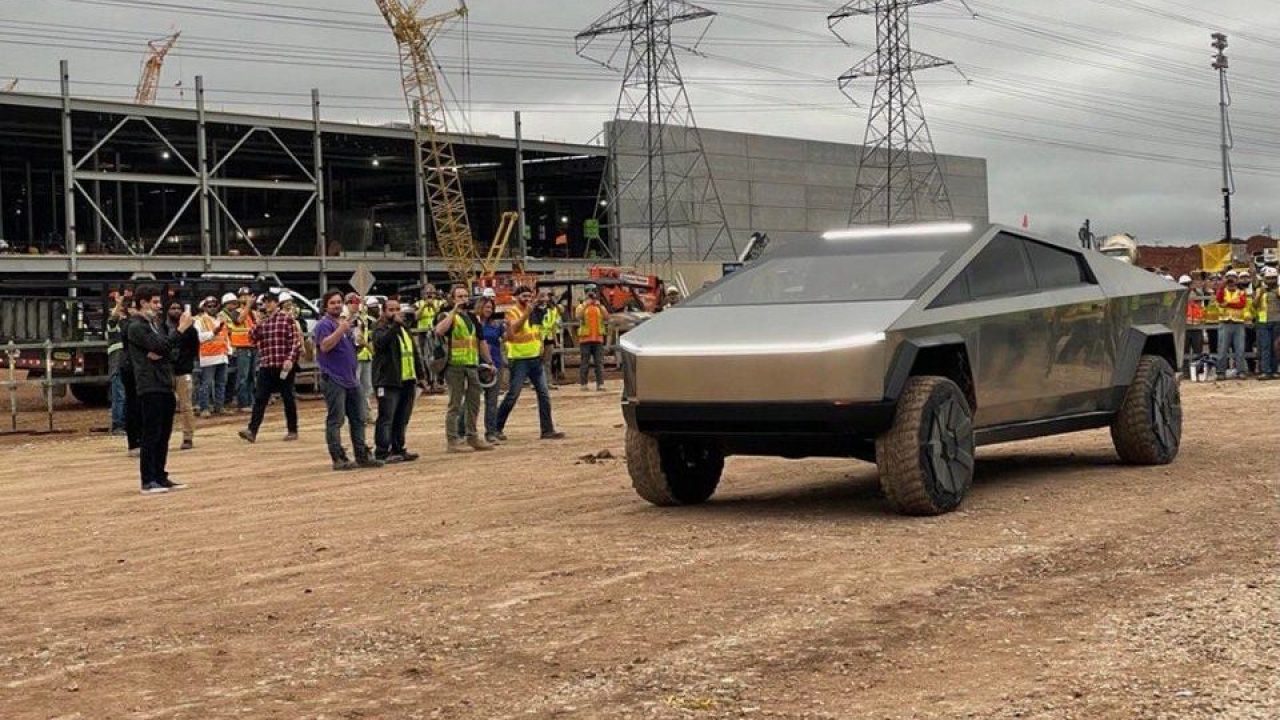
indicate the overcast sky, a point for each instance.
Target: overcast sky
{"x":1106,"y":109}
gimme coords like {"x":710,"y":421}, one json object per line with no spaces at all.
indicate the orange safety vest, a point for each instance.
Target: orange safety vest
{"x":1195,"y":313}
{"x":241,"y":335}
{"x":217,"y":345}
{"x":591,"y":328}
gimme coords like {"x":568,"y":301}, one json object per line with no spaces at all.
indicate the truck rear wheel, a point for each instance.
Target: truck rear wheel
{"x":92,"y":395}
{"x":673,"y":472}
{"x":1148,"y":428}
{"x":926,"y":458}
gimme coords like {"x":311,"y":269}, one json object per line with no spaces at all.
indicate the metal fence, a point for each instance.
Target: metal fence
{"x":48,"y":382}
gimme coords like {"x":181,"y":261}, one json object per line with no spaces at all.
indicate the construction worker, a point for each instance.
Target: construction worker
{"x":1233,"y":303}
{"x":215,"y":349}
{"x":1267,"y":309}
{"x":427,"y":310}
{"x":115,"y":360}
{"x":183,"y":365}
{"x":593,"y":319}
{"x":239,"y":319}
{"x":462,"y":375}
{"x":524,"y":350}
{"x":340,"y":382}
{"x":397,"y":373}
{"x":354,"y":309}
{"x":552,"y":362}
{"x":279,"y":343}
{"x":1195,"y":334}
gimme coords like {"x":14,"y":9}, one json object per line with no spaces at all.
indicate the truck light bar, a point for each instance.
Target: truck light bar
{"x":899,"y":231}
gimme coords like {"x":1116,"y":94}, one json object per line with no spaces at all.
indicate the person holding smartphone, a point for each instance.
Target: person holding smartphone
{"x":279,"y":341}
{"x":462,"y":374}
{"x":152,"y":349}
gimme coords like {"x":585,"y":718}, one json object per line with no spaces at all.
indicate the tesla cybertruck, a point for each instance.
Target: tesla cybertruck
{"x":907,"y":347}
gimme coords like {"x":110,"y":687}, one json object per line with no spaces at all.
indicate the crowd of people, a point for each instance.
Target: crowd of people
{"x":1246,"y":312}
{"x":169,"y":361}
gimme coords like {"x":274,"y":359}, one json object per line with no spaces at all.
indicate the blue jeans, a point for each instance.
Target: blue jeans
{"x":118,"y":418}
{"x":246,"y":374}
{"x":520,"y":370}
{"x":1268,"y":333}
{"x":343,"y":402}
{"x":213,"y":387}
{"x":1231,"y":341}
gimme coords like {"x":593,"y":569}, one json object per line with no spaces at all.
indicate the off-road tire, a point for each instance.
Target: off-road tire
{"x":926,"y":457}
{"x":1148,"y":428}
{"x":669,"y":473}
{"x":92,"y":395}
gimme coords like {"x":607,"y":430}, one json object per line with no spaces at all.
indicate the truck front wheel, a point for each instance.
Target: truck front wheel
{"x":92,"y":395}
{"x":669,"y":472}
{"x":926,"y":458}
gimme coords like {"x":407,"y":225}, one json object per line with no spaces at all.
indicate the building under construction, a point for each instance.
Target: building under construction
{"x":309,"y":199}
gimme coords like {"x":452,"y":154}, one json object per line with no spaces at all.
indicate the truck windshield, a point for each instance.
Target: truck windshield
{"x":835,"y":272}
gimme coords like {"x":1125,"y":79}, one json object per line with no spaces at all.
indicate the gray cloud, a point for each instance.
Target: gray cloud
{"x":1151,"y":93}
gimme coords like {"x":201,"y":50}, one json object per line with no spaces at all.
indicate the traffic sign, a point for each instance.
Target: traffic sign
{"x":362,"y":280}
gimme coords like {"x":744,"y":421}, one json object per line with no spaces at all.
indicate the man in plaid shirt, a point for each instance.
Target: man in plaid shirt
{"x":279,"y":344}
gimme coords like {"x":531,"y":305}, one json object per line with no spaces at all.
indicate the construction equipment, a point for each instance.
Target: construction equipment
{"x":442,"y":182}
{"x":149,"y":83}
{"x":501,"y":239}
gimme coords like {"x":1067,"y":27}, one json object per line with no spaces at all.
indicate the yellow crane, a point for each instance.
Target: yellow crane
{"x":442,"y":180}
{"x":149,"y":83}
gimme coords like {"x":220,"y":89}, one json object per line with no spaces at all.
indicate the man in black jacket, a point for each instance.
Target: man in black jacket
{"x":152,"y":349}
{"x":397,"y":372}
{"x":183,"y":366}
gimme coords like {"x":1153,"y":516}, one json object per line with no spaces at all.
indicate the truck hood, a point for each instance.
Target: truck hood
{"x":763,"y":329}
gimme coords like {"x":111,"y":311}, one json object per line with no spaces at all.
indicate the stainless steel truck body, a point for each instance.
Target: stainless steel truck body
{"x":908,"y":347}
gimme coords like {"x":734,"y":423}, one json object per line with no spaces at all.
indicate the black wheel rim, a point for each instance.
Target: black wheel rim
{"x":949,"y":446}
{"x":1164,"y":416}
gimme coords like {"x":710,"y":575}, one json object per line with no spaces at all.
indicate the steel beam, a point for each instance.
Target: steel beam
{"x":202,"y":166}
{"x":420,"y":196}
{"x":68,"y":172}
{"x":322,"y":235}
{"x":521,"y":242}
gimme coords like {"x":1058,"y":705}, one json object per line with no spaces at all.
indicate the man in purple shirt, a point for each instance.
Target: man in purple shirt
{"x":339,"y":378}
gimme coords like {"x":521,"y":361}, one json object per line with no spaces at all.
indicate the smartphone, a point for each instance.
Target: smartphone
{"x":187,"y":308}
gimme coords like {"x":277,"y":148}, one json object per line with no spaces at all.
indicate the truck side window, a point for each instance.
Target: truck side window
{"x":1056,"y":268}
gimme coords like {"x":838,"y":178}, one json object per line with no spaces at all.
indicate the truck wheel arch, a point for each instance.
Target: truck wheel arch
{"x":943,"y":355}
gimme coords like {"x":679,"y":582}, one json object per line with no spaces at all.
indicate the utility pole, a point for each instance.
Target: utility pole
{"x":658,"y":184}
{"x":1221,"y":64}
{"x":899,"y":177}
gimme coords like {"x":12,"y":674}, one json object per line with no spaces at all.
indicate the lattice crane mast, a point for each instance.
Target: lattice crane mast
{"x":441,"y":178}
{"x":149,"y":83}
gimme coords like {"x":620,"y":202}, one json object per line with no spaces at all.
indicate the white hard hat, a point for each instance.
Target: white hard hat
{"x":371,"y":301}
{"x":229,"y":298}
{"x":1232,"y":273}
{"x":286,"y":296}
{"x":1270,"y":273}
{"x":1184,"y":280}
{"x":489,"y":293}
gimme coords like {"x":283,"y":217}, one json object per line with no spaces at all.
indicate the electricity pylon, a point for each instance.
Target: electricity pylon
{"x":899,"y":177}
{"x":659,"y":183}
{"x":442,"y":181}
{"x":149,"y":82}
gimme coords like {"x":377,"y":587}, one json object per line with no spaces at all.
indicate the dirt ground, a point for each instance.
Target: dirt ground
{"x":531,"y":583}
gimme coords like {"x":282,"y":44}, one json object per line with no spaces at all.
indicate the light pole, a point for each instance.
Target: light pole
{"x":1220,"y":63}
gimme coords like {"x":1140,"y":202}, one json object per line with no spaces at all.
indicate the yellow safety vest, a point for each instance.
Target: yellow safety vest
{"x":551,"y":323}
{"x":464,"y":350}
{"x":1230,"y":314}
{"x":365,"y":353}
{"x":525,"y":344}
{"x":1260,"y":304}
{"x":427,"y":311}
